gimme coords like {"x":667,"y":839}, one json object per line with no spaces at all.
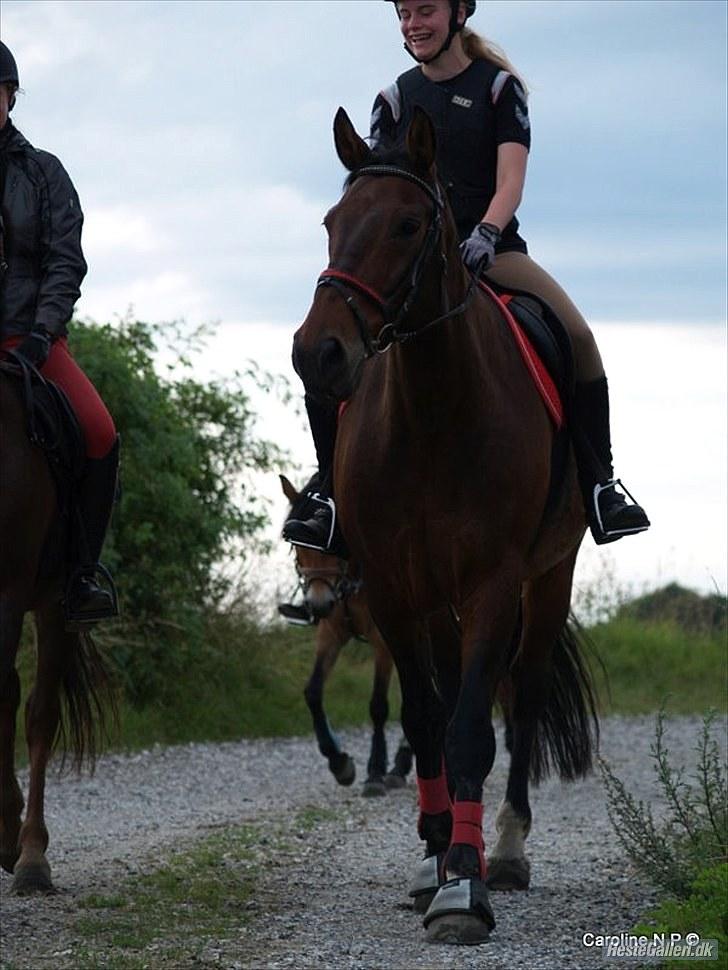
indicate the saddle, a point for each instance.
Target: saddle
{"x":547,"y":346}
{"x":51,"y":425}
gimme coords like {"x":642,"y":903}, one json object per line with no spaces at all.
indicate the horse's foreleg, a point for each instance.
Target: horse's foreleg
{"x":423,"y":720}
{"x":461,"y":912}
{"x":378,"y":712}
{"x":11,"y":797}
{"x":328,"y":644}
{"x":42,"y":718}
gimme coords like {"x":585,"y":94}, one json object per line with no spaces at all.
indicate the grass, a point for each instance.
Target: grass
{"x":191,"y":907}
{"x":167,"y":918}
{"x":648,"y":661}
{"x":249,"y":682}
{"x":251,"y":688}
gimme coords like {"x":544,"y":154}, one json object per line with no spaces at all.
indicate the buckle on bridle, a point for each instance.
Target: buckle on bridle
{"x":384,"y":339}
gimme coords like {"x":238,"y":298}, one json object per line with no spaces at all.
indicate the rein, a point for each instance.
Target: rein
{"x":343,"y":282}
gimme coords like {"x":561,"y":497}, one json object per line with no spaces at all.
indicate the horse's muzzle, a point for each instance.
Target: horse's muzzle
{"x":325,"y":367}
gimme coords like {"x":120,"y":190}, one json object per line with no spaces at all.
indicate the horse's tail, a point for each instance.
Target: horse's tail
{"x":567,"y":734}
{"x":89,"y":709}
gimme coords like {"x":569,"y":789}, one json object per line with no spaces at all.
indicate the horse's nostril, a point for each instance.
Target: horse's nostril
{"x":331,"y":357}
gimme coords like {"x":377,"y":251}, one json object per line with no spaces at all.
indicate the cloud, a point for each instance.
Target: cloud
{"x":122,"y":230}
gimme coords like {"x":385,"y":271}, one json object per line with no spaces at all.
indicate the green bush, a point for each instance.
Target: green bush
{"x":704,"y":911}
{"x":694,"y":832}
{"x":684,"y":608}
{"x":189,"y":451}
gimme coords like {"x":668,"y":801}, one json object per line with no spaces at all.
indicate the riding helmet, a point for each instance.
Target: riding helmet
{"x":469,"y":6}
{"x":8,"y":67}
{"x":454,"y":28}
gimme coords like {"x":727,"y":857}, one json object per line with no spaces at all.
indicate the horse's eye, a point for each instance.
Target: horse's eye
{"x":408,"y":227}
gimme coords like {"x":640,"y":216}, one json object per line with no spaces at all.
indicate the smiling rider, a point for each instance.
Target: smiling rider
{"x":478,"y":105}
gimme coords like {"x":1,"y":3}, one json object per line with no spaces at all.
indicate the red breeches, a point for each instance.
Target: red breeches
{"x":96,"y":423}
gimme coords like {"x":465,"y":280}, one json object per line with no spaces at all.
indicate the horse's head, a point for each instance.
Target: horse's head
{"x":323,"y":577}
{"x":391,"y":240}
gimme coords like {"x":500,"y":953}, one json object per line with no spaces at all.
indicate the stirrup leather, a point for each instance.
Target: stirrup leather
{"x":612,"y":484}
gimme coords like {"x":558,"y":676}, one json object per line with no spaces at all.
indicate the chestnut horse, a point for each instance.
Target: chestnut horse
{"x":336,"y":601}
{"x":450,"y":497}
{"x":71,"y":684}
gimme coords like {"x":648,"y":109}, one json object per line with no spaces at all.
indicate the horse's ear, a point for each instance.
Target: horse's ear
{"x":351,"y":149}
{"x":421,"y":143}
{"x":288,"y":490}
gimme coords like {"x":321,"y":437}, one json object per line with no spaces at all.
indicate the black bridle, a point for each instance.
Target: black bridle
{"x":393,"y":313}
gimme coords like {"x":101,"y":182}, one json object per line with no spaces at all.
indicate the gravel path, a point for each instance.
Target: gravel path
{"x":340,"y":901}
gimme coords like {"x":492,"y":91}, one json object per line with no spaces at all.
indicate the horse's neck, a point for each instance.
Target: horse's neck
{"x":465,"y":355}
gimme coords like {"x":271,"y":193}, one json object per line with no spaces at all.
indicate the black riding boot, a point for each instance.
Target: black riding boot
{"x":313,"y":522}
{"x":609,"y":514}
{"x":86,"y":601}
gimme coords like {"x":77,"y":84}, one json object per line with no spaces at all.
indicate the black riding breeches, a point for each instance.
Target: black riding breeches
{"x":323,"y":420}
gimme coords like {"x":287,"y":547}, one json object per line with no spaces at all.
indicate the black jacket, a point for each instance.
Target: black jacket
{"x":42,"y":222}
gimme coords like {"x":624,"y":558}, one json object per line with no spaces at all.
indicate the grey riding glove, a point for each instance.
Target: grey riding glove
{"x":478,"y":250}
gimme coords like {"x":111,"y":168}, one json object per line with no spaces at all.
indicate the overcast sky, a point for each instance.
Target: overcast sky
{"x":199,"y":137}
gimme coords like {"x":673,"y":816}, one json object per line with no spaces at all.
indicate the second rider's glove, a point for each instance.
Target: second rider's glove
{"x":35,"y":347}
{"x":478,"y":250}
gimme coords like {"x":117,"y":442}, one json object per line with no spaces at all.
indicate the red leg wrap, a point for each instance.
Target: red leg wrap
{"x":467,"y":828}
{"x":434,"y":796}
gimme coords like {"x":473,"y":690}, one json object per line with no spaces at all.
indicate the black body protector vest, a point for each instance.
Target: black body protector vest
{"x":469,"y":130}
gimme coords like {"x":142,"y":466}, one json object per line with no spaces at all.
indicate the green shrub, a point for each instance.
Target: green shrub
{"x":704,"y":911}
{"x":694,"y":833}
{"x":686,"y":609}
{"x":188,"y":501}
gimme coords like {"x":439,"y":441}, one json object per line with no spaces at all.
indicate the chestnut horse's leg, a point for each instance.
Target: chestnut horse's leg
{"x":330,"y":638}
{"x":11,"y":797}
{"x":379,"y":712}
{"x":42,"y":718}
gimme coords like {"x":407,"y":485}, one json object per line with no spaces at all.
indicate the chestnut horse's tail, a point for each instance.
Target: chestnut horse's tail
{"x":89,"y":710}
{"x":568,"y":730}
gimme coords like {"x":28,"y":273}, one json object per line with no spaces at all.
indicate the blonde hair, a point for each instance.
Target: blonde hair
{"x":478,"y":48}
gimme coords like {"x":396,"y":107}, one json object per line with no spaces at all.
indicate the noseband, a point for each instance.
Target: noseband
{"x":338,"y":581}
{"x":390,"y":333}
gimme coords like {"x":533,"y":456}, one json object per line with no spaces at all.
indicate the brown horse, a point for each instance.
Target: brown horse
{"x":336,"y":601}
{"x":71,"y":684}
{"x":454,"y":493}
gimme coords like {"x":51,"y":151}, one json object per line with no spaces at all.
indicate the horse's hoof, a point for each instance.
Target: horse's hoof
{"x":394,"y":781}
{"x":373,"y":788}
{"x":32,"y":878}
{"x":343,"y":769}
{"x":458,"y":929}
{"x":506,"y":875}
{"x":427,"y":880}
{"x":460,"y":914}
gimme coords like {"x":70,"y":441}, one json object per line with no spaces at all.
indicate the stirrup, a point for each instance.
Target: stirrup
{"x":79,"y":621}
{"x":328,"y":503}
{"x":600,"y":534}
{"x":296,"y":615}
